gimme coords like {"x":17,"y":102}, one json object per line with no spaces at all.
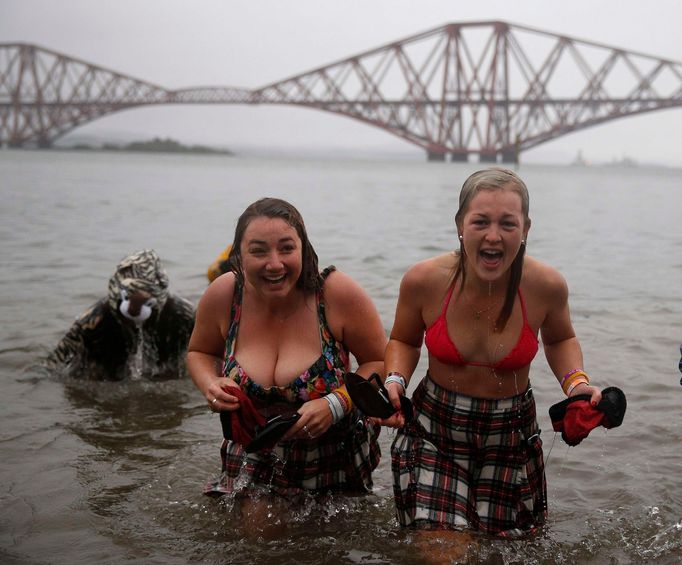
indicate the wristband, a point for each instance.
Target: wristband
{"x":569,"y":374}
{"x":568,"y":383}
{"x":395,"y":377}
{"x":575,"y":383}
{"x":345,"y":399}
{"x":335,"y":407}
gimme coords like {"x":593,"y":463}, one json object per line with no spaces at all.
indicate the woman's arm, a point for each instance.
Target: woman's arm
{"x":561,"y":346}
{"x":407,"y":334}
{"x":355,"y":321}
{"x":404,"y":347}
{"x":207,"y":343}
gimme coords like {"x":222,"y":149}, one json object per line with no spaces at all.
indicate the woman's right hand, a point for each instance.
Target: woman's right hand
{"x":395,"y":421}
{"x":395,"y":391}
{"x":218,"y":395}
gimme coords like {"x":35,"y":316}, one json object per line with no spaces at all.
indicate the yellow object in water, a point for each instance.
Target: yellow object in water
{"x":220,"y":265}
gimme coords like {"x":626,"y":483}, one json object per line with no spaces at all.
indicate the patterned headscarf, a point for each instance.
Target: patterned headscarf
{"x":140,"y":271}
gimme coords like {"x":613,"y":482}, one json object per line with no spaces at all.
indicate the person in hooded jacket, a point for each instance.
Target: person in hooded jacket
{"x":139,"y":329}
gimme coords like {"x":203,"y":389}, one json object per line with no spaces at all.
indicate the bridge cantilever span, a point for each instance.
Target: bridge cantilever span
{"x":490,"y":89}
{"x":45,"y":94}
{"x":210,"y":95}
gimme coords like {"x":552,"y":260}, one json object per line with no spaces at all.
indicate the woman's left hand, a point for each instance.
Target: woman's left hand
{"x":593,"y":391}
{"x":316,"y":419}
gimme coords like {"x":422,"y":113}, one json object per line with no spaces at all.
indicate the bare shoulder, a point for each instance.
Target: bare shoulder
{"x":213,"y":316}
{"x":352,"y":316}
{"x":218,"y":296}
{"x":340,"y":288}
{"x":542,"y":279}
{"x":430,"y":274}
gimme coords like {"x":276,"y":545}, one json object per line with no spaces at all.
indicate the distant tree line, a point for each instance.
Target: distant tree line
{"x":157,"y":145}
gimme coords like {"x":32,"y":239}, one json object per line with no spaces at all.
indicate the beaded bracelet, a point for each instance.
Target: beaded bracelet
{"x":395,"y":377}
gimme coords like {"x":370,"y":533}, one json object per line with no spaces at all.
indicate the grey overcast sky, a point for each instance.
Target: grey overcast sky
{"x":250,"y":43}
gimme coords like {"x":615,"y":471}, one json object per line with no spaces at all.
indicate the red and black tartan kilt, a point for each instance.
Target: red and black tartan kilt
{"x":340,"y":460}
{"x":470,"y":463}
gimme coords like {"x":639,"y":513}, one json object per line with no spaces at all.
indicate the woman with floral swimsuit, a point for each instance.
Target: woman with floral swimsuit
{"x":283,"y":332}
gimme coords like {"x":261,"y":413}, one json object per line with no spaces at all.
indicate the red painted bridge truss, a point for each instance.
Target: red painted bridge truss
{"x":486,"y":88}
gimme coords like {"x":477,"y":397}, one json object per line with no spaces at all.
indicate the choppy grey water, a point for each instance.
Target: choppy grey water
{"x":113,"y":472}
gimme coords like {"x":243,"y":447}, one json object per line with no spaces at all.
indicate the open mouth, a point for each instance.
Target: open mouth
{"x":275,"y":280}
{"x":491,"y":255}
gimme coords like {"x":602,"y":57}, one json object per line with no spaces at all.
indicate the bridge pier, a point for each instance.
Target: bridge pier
{"x":508,"y":156}
{"x":434,"y":156}
{"x":511,"y":157}
{"x":459,"y":157}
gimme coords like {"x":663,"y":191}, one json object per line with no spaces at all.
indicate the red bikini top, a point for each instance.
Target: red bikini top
{"x":441,"y":346}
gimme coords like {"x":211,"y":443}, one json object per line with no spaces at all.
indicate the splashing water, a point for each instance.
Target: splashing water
{"x":136,"y":363}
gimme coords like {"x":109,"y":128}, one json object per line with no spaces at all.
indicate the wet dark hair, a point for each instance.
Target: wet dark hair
{"x":310,"y":279}
{"x":494,"y":178}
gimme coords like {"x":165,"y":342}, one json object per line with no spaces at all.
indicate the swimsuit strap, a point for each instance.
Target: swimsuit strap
{"x":446,"y":302}
{"x":235,"y":317}
{"x":523,"y":308}
{"x":325,"y":333}
{"x":320,"y":299}
{"x":327,"y":271}
{"x":236,"y":314}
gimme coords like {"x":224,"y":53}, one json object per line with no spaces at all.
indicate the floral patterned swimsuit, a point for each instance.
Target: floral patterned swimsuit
{"x":341,"y":459}
{"x":321,"y":378}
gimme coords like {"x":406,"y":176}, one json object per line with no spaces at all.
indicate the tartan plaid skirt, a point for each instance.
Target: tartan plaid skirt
{"x":470,"y":463}
{"x":340,"y":460}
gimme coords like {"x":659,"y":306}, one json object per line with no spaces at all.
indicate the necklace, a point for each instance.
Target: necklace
{"x":479,"y":313}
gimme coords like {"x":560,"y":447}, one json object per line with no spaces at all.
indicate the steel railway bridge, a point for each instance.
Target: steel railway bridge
{"x":489,"y":89}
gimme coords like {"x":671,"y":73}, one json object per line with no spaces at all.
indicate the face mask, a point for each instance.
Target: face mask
{"x":144,"y":313}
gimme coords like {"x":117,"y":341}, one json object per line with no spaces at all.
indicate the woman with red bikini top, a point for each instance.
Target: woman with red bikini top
{"x":472,"y":456}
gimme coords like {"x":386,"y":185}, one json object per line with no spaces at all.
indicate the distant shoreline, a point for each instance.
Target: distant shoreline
{"x":156,"y":145}
{"x":169,"y":147}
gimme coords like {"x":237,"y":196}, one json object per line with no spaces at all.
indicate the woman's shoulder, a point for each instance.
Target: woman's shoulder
{"x":346,"y":301}
{"x":432,"y":271}
{"x":225,"y":281}
{"x":220,"y":292}
{"x":339,"y":285}
{"x":540,"y":277}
